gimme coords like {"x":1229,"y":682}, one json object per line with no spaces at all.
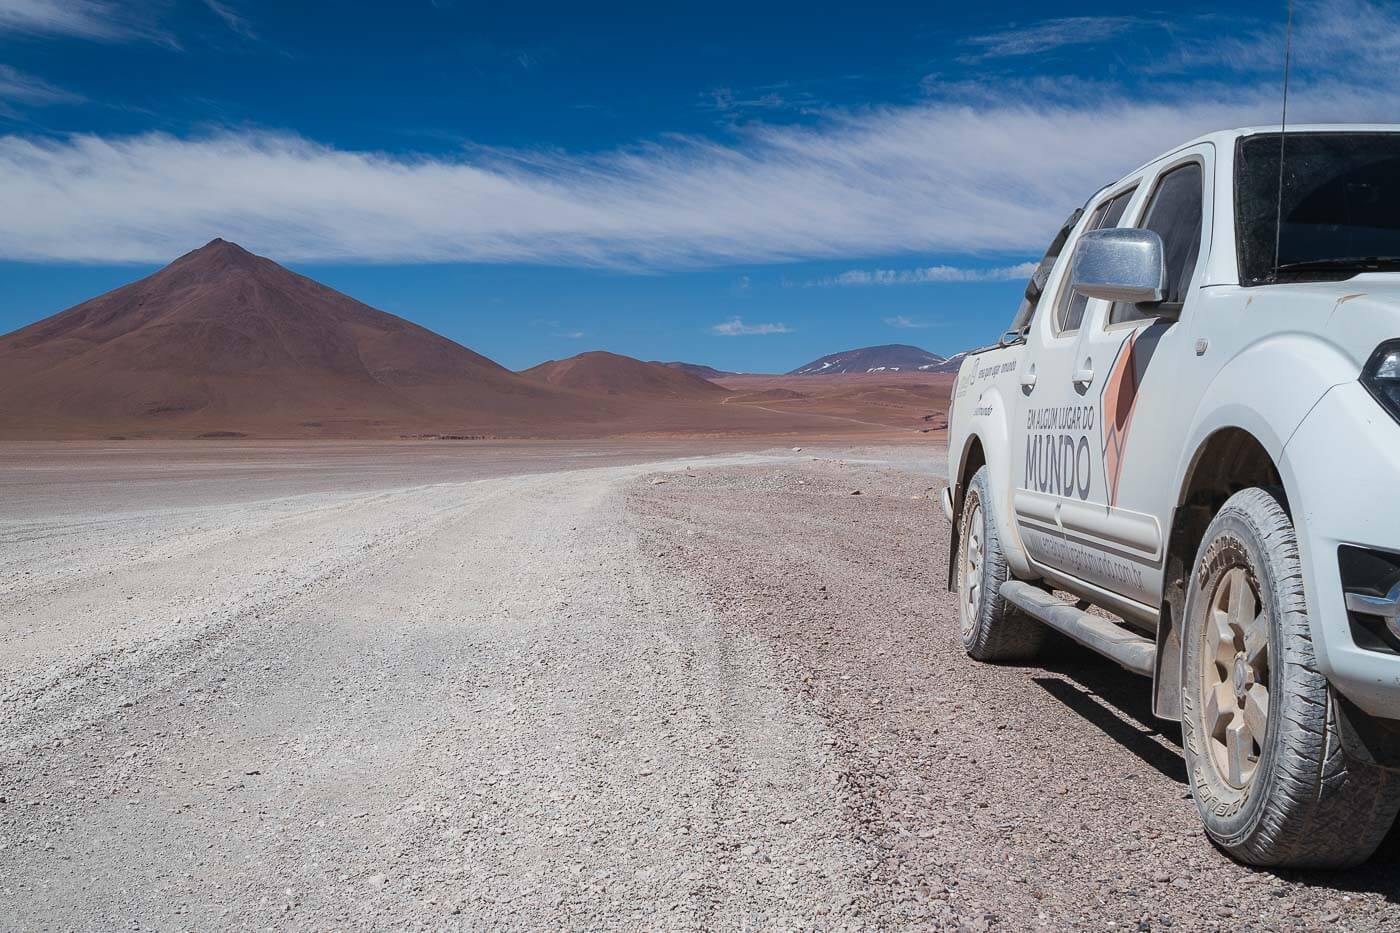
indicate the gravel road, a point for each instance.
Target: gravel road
{"x":713,"y":693}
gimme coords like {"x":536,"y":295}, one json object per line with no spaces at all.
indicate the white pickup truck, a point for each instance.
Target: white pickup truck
{"x":1193,"y":426}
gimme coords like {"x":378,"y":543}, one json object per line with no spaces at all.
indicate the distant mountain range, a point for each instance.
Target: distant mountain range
{"x":893,"y":357}
{"x":224,"y":344}
{"x":695,"y":369}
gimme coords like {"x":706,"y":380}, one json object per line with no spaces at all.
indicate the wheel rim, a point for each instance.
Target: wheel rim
{"x":972,"y":570}
{"x":1235,"y":678}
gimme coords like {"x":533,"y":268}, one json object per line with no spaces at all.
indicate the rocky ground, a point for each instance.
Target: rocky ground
{"x":721,"y":692}
{"x":988,"y":797}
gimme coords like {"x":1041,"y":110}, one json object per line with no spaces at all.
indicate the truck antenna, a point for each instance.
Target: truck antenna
{"x":1282,"y":127}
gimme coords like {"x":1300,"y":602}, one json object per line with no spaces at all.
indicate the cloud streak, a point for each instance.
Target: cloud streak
{"x":1050,"y":34}
{"x":20,"y":88}
{"x":85,"y":19}
{"x":934,"y":179}
{"x":735,"y":327}
{"x":927,"y":274}
{"x":1352,"y":40}
{"x":907,"y":323}
{"x":236,"y":22}
{"x":992,"y":171}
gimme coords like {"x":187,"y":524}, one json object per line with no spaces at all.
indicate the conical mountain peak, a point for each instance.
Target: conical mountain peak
{"x":218,"y":252}
{"x":224,"y":340}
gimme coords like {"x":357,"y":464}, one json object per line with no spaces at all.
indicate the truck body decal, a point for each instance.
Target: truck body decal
{"x":1119,"y":400}
{"x":1058,"y":455}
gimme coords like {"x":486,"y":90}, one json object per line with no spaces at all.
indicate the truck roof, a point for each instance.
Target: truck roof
{"x":1230,"y":135}
{"x":1227,"y":137}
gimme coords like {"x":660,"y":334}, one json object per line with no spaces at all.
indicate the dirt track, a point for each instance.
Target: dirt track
{"x":558,"y":695}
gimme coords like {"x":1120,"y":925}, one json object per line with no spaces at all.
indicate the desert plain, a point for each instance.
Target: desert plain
{"x":648,"y":682}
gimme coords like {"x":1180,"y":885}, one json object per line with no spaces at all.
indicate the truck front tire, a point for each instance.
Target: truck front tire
{"x":1259,"y":722}
{"x":992,"y":629}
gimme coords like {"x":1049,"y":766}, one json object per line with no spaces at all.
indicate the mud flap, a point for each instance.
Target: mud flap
{"x":1167,"y":674}
{"x":951,"y":507}
{"x":1167,"y":678}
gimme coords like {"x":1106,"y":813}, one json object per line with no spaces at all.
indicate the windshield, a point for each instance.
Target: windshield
{"x":1341,"y":205}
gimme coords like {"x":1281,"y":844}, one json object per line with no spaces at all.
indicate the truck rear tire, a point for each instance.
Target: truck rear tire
{"x":992,"y":629}
{"x":1259,"y":722}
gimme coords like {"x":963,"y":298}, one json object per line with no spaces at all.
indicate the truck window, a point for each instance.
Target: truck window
{"x":1174,"y":214}
{"x":1036,"y":286}
{"x":1069,"y":312}
{"x":1340,"y":211}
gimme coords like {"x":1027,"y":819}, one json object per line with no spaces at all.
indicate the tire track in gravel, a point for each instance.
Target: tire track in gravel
{"x":470,"y":706}
{"x":993,"y":797}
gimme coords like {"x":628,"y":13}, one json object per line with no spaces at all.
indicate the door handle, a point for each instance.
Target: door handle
{"x":1083,"y":376}
{"x":1028,"y":379}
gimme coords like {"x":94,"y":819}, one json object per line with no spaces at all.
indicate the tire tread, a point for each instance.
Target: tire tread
{"x":1003,"y":634}
{"x":1321,"y":808}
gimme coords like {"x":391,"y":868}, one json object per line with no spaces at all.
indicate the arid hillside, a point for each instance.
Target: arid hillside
{"x":912,"y":401}
{"x":223,"y":342}
{"x":695,"y":369}
{"x":613,"y":374}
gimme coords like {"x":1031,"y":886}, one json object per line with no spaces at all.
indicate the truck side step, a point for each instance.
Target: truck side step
{"x":1134,"y":652}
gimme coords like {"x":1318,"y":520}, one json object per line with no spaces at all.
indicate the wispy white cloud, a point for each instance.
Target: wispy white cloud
{"x":235,"y":21}
{"x":87,"y":19}
{"x":1049,"y":34}
{"x":555,"y":328}
{"x":927,"y":274}
{"x":738,"y":104}
{"x":933,"y":179}
{"x":1356,"y":38}
{"x":725,"y":99}
{"x":735,"y":327}
{"x":16,"y":87}
{"x":1353,"y":40}
{"x":907,"y":323}
{"x":990,"y":171}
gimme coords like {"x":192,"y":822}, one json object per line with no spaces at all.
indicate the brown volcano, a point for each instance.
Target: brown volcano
{"x":224,"y":342}
{"x":613,"y":374}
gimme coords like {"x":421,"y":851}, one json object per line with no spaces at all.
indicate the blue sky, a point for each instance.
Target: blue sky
{"x":748,"y":186}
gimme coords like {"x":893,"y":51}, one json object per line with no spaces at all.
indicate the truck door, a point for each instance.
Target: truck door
{"x":1054,"y":430}
{"x":1142,"y":378}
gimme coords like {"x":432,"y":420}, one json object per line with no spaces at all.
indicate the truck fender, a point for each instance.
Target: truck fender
{"x":1247,"y":393}
{"x":988,"y":432}
{"x":1269,"y":411}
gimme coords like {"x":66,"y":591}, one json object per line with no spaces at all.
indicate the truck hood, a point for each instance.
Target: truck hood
{"x":1354,"y":316}
{"x":1365,"y":312}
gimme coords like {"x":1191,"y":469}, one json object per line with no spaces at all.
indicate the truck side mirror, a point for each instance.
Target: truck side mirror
{"x":1120,"y":264}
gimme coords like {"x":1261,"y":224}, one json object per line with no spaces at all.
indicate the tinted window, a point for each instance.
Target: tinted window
{"x":1174,"y":214}
{"x":1341,"y":205}
{"x":1069,"y":315}
{"x":1036,"y":286}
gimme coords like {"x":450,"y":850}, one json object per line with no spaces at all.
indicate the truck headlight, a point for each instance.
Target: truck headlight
{"x":1381,"y":377}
